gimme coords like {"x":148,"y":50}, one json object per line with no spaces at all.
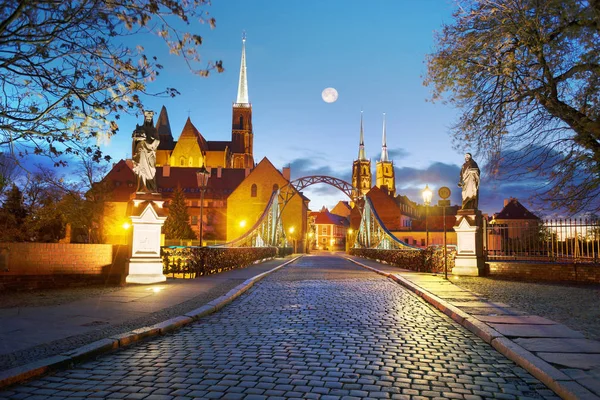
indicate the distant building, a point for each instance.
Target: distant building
{"x":330,"y":230}
{"x":513,"y":224}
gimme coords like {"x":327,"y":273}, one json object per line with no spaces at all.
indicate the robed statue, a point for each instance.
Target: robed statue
{"x":145,"y":143}
{"x":469,"y":182}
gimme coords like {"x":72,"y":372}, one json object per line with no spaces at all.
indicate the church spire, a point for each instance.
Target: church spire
{"x":384,"y":151}
{"x":361,"y":148}
{"x":242,"y":95}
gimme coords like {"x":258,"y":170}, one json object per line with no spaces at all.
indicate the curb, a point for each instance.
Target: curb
{"x":557,"y":381}
{"x":68,"y":358}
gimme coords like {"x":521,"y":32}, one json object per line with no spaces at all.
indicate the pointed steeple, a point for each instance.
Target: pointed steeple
{"x":361,"y":148}
{"x":384,"y":152}
{"x":163,"y":128}
{"x":242,"y":95}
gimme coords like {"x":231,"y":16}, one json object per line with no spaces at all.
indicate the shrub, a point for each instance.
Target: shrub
{"x":200,"y":261}
{"x":427,"y":260}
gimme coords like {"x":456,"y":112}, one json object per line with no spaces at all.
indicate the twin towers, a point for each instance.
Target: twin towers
{"x":385,"y":178}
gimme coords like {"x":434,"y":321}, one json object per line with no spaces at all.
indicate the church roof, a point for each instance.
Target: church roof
{"x":513,"y":209}
{"x":163,"y":127}
{"x":214,"y":145}
{"x":190,"y":132}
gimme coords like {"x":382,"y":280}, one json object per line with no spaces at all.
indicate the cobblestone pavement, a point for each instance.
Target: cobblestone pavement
{"x":575,"y":305}
{"x":321,"y":328}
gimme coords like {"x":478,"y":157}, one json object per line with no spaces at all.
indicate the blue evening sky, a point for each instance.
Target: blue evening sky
{"x":372,"y":52}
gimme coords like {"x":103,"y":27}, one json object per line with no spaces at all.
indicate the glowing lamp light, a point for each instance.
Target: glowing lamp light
{"x":243,"y":223}
{"x":310,"y":234}
{"x":350,"y":231}
{"x":126,"y":225}
{"x":427,"y":195}
{"x":292,"y":229}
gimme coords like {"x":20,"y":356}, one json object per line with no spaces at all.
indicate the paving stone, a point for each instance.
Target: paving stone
{"x":563,"y":345}
{"x":544,"y":331}
{"x":321,"y":328}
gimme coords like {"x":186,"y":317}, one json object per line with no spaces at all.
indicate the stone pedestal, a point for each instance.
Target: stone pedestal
{"x":147,"y":218}
{"x":469,"y":233}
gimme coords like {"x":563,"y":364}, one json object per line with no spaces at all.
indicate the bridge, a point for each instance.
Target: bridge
{"x":268,"y":230}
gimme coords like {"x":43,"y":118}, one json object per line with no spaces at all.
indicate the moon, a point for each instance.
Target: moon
{"x":329,"y":95}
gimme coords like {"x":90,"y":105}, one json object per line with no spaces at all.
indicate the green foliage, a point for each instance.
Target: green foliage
{"x":428,"y":260}
{"x":12,"y":217}
{"x":67,"y":73}
{"x":177,"y":225}
{"x":526,"y":76}
{"x":200,"y":261}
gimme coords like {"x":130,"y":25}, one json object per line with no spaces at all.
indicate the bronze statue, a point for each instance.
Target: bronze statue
{"x":145,"y":143}
{"x":469,"y":182}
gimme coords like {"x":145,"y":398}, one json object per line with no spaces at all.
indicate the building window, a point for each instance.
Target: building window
{"x":241,"y":122}
{"x":190,"y":162}
{"x":194,"y":220}
{"x":182,"y":162}
{"x":422,"y":242}
{"x":324,"y":230}
{"x":253,"y":190}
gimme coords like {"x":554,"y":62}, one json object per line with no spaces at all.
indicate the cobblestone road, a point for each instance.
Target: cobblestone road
{"x":321,"y":328}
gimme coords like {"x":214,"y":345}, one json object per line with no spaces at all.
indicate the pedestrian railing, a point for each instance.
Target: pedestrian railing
{"x":559,"y":240}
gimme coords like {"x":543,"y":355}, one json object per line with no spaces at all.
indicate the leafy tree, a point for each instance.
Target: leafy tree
{"x":12,"y":216}
{"x":526,"y":76}
{"x":177,"y":225}
{"x":68,"y":69}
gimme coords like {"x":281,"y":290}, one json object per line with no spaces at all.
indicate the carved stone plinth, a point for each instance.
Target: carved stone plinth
{"x":147,"y":218}
{"x":469,"y":233}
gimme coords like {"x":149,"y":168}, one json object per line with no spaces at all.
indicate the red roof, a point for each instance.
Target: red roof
{"x":515,"y":210}
{"x":124,"y":181}
{"x":324,"y":217}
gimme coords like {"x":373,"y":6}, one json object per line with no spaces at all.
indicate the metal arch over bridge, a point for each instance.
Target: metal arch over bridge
{"x":302,"y":183}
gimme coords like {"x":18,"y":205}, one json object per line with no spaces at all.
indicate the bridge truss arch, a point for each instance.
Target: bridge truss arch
{"x":300,"y":184}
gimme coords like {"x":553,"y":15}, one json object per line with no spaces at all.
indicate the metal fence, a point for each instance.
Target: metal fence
{"x":560,"y":240}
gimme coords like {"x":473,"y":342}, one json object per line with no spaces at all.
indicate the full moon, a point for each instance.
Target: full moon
{"x":329,"y":95}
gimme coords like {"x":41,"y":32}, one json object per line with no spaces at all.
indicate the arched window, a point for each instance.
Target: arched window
{"x":182,"y":162}
{"x":275,"y":187}
{"x":241,"y":122}
{"x":253,"y":190}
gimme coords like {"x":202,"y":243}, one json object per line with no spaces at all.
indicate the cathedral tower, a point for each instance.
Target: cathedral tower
{"x":242,"y":137}
{"x":385,"y":168}
{"x":361,"y":168}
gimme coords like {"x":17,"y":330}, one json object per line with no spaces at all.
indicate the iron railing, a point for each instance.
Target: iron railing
{"x":559,"y":240}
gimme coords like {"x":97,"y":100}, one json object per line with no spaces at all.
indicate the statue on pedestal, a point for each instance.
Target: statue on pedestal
{"x":469,"y":182}
{"x":145,"y":143}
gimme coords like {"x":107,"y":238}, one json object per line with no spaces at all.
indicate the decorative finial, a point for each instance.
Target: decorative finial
{"x":243,"y":36}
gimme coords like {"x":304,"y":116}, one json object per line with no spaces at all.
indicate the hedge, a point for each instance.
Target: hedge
{"x":427,"y":260}
{"x":198,"y":261}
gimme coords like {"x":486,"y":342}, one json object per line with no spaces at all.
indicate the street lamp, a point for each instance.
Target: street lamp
{"x":292,"y":229}
{"x":349,"y":239}
{"x":427,"y":194}
{"x":202,"y":176}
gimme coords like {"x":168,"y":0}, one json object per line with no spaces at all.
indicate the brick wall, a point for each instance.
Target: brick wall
{"x":585,"y":273}
{"x":35,"y":265}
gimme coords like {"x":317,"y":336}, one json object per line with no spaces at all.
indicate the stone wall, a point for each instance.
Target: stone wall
{"x":558,"y":272}
{"x":42,"y":265}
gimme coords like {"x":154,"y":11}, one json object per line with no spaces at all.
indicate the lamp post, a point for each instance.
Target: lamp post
{"x":292,"y":229}
{"x":349,"y":239}
{"x":427,"y":194}
{"x":202,"y":176}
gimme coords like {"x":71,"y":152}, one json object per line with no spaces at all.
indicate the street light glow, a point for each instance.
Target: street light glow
{"x":242,"y":223}
{"x":126,"y":225}
{"x":292,"y":229}
{"x":427,"y":195}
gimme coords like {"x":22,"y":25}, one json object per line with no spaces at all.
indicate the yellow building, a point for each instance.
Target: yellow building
{"x":248,"y":201}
